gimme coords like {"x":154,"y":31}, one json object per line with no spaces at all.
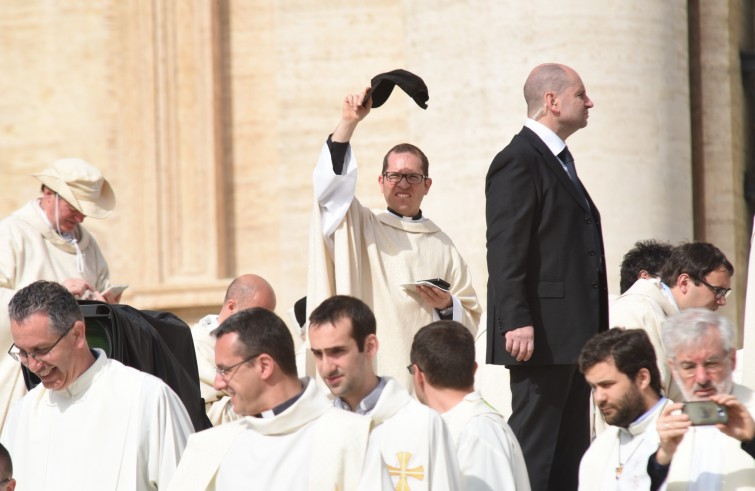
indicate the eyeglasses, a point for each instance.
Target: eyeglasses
{"x":5,"y":481}
{"x":411,"y":368}
{"x":223,"y":372}
{"x":23,"y":357}
{"x":712,"y":366}
{"x":719,"y":291}
{"x":395,"y":177}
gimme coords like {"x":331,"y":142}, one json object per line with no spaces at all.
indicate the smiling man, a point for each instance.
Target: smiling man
{"x":45,"y":240}
{"x":371,"y":253}
{"x":87,"y":406}
{"x":621,"y":369}
{"x":290,"y":436}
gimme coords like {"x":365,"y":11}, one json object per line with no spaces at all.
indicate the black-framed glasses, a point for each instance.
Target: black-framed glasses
{"x":395,"y":177}
{"x":719,"y":291}
{"x":411,"y":368}
{"x":23,"y":357}
{"x":223,"y":372}
{"x":5,"y":481}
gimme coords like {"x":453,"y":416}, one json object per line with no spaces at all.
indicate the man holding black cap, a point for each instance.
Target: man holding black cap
{"x":44,"y":240}
{"x":383,"y":256}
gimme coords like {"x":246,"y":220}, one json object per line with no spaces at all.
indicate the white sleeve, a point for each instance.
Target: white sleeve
{"x":334,"y":192}
{"x":490,"y":458}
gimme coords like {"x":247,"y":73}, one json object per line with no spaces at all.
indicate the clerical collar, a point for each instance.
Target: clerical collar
{"x":280,"y":407}
{"x":367,"y":404}
{"x":418,"y":216}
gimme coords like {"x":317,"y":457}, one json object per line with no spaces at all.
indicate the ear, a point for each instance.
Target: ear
{"x":642,"y":379}
{"x":428,"y":183}
{"x":551,"y":102}
{"x":78,"y":332}
{"x":644,"y":275}
{"x":231,"y":305}
{"x":266,"y":366}
{"x":683,"y":282}
{"x":371,"y":345}
{"x":733,"y":358}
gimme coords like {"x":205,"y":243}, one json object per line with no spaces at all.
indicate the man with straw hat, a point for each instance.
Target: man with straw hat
{"x":44,"y":240}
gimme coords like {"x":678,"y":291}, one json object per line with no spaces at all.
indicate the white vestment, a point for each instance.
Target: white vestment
{"x":414,"y":442}
{"x":709,"y":460}
{"x":366,"y":254}
{"x":113,"y":428}
{"x":310,"y":445}
{"x":617,"y":460}
{"x":490,"y":458}
{"x":29,"y":251}
{"x":645,"y":306}
{"x":217,"y":403}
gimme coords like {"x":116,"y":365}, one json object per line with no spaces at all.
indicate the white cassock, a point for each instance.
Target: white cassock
{"x":490,"y":458}
{"x":708,"y":460}
{"x":216,"y":402}
{"x":113,"y":428}
{"x":355,"y":251}
{"x":29,"y":251}
{"x":645,"y":306}
{"x":414,"y":442}
{"x":310,"y":445}
{"x":617,"y":459}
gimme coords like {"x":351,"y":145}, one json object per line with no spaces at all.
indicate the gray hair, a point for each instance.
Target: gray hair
{"x":48,"y":298}
{"x":689,"y":327}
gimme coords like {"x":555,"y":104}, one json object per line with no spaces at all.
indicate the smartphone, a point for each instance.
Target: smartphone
{"x":705,"y":413}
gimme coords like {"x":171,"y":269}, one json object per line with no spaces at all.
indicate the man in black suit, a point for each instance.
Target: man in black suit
{"x":547,"y":292}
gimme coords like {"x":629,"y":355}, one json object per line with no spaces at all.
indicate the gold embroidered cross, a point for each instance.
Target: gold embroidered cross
{"x":404,"y":473}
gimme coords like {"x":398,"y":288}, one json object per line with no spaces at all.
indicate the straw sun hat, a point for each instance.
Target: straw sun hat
{"x":81,"y":184}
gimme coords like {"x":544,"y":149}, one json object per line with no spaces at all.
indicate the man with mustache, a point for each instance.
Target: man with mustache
{"x":696,"y":275}
{"x":620,"y":367}
{"x":702,"y":355}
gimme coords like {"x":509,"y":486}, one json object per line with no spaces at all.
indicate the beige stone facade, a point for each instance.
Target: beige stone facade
{"x":207,"y":117}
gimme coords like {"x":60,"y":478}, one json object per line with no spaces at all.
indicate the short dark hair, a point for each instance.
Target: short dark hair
{"x":343,"y":306}
{"x":6,"y":464}
{"x":444,"y":351}
{"x":48,"y":298}
{"x":697,"y":259}
{"x":629,"y":349}
{"x":649,"y":255}
{"x":412,"y":149}
{"x":261,"y":331}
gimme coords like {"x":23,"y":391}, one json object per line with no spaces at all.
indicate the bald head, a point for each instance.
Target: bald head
{"x":245,"y":292}
{"x":548,"y":77}
{"x":556,"y":97}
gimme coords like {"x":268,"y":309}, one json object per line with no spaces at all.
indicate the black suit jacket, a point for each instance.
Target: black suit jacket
{"x":546,"y":267}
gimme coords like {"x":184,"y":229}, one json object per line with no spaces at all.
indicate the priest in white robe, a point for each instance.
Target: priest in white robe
{"x":621,"y":367}
{"x":290,"y":435}
{"x":92,"y":423}
{"x":244,"y":292}
{"x":379,"y":256}
{"x":45,"y":240}
{"x":413,"y":440}
{"x":701,"y":351}
{"x":443,"y":367}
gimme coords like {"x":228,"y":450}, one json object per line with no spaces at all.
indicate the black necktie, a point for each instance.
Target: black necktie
{"x":568,"y":160}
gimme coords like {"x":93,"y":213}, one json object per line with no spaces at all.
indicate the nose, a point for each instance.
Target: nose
{"x":219,"y":383}
{"x":599,"y":396}
{"x":701,"y":375}
{"x":78,"y":216}
{"x":326,"y":366}
{"x":33,"y":364}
